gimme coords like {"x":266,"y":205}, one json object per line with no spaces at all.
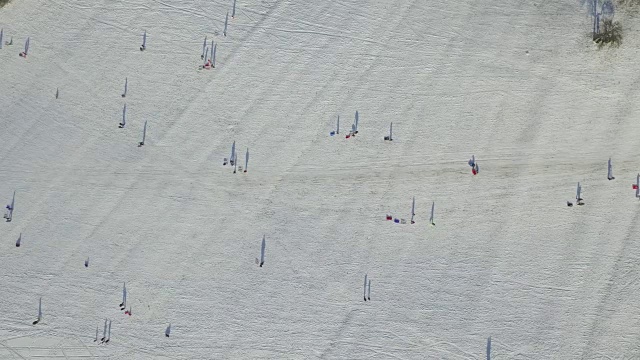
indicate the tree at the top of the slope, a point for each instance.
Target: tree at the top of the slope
{"x":605,"y":31}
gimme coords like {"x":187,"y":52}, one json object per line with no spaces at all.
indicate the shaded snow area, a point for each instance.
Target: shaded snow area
{"x":518,"y":84}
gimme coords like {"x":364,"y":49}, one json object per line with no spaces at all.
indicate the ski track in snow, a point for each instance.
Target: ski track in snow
{"x":507,"y":258}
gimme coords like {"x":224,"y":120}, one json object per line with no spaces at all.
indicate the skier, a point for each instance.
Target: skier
{"x":7,"y":214}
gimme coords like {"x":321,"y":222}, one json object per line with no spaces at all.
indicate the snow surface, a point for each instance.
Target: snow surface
{"x":517,"y":83}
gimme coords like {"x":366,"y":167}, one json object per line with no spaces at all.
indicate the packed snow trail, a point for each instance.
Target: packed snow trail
{"x":517,"y":84}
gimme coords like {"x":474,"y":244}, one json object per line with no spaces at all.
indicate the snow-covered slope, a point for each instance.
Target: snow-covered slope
{"x":519,"y":84}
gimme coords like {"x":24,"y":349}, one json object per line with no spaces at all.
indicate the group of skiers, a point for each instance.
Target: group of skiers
{"x":474,"y":165}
